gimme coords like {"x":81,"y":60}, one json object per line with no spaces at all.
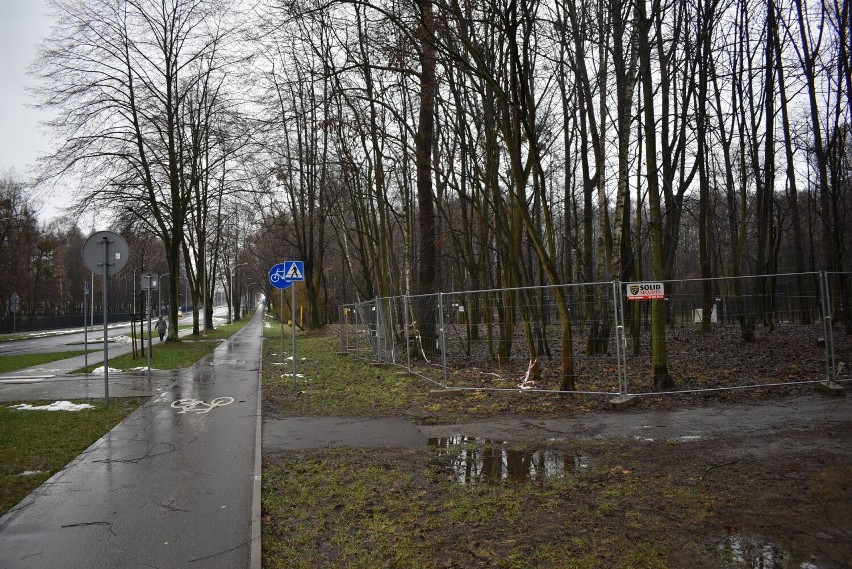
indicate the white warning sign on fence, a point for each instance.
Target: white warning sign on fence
{"x":645,"y":291}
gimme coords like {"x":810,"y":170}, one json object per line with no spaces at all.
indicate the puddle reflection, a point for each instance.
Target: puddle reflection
{"x":475,"y":461}
{"x":754,"y":553}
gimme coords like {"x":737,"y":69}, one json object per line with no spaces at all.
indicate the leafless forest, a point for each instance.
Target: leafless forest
{"x":416,"y":147}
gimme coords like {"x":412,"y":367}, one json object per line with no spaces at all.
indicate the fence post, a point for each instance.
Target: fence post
{"x":407,"y":338}
{"x":828,"y":332}
{"x":443,"y":341}
{"x":380,"y":347}
{"x":620,"y":337}
{"x":340,"y":313}
{"x":356,"y":309}
{"x":377,"y":348}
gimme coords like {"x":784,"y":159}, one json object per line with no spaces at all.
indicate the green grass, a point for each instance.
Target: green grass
{"x":11,"y":337}
{"x":346,"y":385}
{"x":333,"y":385}
{"x":165,"y":355}
{"x":45,"y":441}
{"x":397,"y":508}
{"x":12,"y":363}
{"x":144,"y":334}
{"x":226,"y":330}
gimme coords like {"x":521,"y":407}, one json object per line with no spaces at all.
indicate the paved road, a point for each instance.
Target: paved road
{"x":118,"y":334}
{"x":174,"y":485}
{"x":56,"y":380}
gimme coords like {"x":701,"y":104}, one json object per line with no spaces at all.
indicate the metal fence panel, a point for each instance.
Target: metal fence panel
{"x":513,"y":338}
{"x":758,"y":332}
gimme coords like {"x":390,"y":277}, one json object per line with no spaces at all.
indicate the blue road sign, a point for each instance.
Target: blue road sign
{"x":277,"y":276}
{"x":294,"y":270}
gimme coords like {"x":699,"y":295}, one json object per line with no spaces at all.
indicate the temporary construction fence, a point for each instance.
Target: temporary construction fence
{"x":758,"y":331}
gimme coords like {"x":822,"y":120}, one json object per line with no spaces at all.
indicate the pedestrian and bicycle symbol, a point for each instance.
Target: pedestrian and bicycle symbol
{"x":284,"y":274}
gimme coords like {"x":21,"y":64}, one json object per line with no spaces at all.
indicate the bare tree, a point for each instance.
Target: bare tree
{"x":121,"y":74}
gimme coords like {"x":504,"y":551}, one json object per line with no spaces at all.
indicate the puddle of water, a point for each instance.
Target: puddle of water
{"x":755,"y":553}
{"x":481,"y":461}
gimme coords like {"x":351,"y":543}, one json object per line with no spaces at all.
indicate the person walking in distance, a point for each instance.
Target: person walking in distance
{"x":161,"y":327}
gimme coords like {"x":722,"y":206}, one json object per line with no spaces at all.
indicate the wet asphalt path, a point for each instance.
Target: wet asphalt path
{"x":171,"y":486}
{"x":68,"y":341}
{"x":801,"y":413}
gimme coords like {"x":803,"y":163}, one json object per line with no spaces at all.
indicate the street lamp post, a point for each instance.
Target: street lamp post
{"x":134,"y":289}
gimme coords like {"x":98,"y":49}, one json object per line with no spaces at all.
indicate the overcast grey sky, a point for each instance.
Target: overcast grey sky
{"x":22,"y":25}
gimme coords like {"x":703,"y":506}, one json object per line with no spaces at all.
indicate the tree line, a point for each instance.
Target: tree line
{"x":412,"y":147}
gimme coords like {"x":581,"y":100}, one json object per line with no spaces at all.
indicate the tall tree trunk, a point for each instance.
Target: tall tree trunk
{"x":659,"y":359}
{"x":705,"y":27}
{"x":423,"y":158}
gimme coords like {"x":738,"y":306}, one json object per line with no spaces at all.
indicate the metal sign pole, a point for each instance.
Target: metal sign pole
{"x":97,"y":259}
{"x":106,"y":243}
{"x":148,"y":315}
{"x":85,"y":327}
{"x":293,"y":320}
{"x":282,"y":325}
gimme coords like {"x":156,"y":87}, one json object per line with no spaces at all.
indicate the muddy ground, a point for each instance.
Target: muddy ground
{"x":774,"y":499}
{"x":365,"y":468}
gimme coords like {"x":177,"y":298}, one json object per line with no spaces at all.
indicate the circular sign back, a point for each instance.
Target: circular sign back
{"x":105,"y":248}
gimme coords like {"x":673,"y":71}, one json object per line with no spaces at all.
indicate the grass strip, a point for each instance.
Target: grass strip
{"x":348,"y":386}
{"x":398,"y":508}
{"x":37,"y":444}
{"x":21,"y":361}
{"x":165,"y":355}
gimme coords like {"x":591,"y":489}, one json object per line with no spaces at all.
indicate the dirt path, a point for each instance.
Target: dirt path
{"x":801,"y":415}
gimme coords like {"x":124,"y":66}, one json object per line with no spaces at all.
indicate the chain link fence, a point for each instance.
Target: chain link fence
{"x":592,"y":338}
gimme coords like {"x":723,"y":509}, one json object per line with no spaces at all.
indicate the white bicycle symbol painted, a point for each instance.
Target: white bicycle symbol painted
{"x":277,"y":275}
{"x":198,"y":406}
{"x":228,"y":362}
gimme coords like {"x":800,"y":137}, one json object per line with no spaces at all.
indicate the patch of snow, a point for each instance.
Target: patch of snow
{"x":55,"y":406}
{"x":100,"y":370}
{"x":29,"y":473}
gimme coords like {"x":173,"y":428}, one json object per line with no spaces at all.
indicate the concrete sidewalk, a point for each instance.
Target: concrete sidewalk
{"x":176,"y":484}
